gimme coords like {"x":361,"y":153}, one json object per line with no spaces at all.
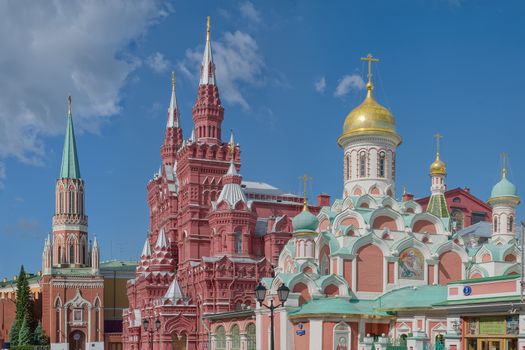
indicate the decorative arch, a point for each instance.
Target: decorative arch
{"x":250,"y":336}
{"x":235,"y":335}
{"x":296,"y":286}
{"x":324,"y":259}
{"x":513,"y":270}
{"x":374,"y":191}
{"x":357,"y":191}
{"x":220,"y":338}
{"x":450,"y":267}
{"x":387,"y":218}
{"x":412,"y":207}
{"x":342,"y":336}
{"x":346,"y":218}
{"x":427,"y":223}
{"x":366,"y":201}
{"x":336,"y":281}
{"x":370,"y":238}
{"x":389,"y":202}
{"x":411,"y":242}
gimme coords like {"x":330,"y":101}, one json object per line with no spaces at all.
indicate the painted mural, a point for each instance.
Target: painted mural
{"x":411,"y":264}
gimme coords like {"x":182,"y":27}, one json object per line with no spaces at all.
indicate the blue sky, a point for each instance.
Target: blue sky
{"x":289,"y":72}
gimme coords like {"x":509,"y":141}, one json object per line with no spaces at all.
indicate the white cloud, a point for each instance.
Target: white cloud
{"x":158,"y":62}
{"x":237,"y":63}
{"x":56,"y":48}
{"x":250,"y":12}
{"x":347,"y":83}
{"x":320,"y":85}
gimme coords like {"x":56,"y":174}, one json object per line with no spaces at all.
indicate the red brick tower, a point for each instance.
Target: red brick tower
{"x":72,"y":289}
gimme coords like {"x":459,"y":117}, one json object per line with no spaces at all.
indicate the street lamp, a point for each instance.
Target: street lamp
{"x":260,"y":295}
{"x":145,"y":323}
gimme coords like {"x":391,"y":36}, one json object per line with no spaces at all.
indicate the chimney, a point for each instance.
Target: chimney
{"x":407,"y":197}
{"x":323,"y":200}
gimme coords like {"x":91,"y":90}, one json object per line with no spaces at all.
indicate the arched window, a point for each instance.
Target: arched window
{"x":220,"y":338}
{"x":238,"y":242}
{"x":71,"y":253}
{"x":250,"y":337}
{"x":57,"y":321}
{"x":341,"y":336}
{"x":496,"y":226}
{"x":362,"y":164}
{"x":510,"y":224}
{"x":348,"y":166}
{"x":236,"y":338}
{"x":381,"y":164}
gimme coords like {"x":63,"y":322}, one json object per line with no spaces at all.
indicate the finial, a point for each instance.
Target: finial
{"x":404,"y":190}
{"x":231,"y":145}
{"x":173,"y":80}
{"x":69,"y":105}
{"x":208,"y":29}
{"x":438,"y":136}
{"x":305,"y":179}
{"x":370,"y":59}
{"x":504,"y":164}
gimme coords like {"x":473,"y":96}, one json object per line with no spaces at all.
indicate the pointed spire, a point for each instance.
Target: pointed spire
{"x":192,"y":137}
{"x":174,"y":292}
{"x":146,"y":251}
{"x":207,"y":65}
{"x":95,"y":242}
{"x":162,"y":242}
{"x":69,"y":168}
{"x":231,"y":146}
{"x":173,"y":111}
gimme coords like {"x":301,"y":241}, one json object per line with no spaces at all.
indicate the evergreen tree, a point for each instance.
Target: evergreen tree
{"x":39,"y":337}
{"x":13,"y":334}
{"x":24,"y":301}
{"x":24,"y":335}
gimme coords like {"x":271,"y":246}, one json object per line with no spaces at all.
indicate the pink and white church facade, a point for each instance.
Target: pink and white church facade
{"x":370,"y":271}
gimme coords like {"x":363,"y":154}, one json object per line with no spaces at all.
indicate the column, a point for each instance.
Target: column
{"x":316,"y":334}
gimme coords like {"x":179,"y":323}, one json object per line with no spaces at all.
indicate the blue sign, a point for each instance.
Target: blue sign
{"x":467,"y":290}
{"x":300,"y":331}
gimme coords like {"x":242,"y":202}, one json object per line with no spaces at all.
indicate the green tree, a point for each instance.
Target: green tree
{"x":24,"y":335}
{"x":13,"y":334}
{"x":40,"y":338}
{"x":24,"y":301}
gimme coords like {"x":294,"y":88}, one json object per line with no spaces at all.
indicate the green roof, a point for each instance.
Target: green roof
{"x":412,"y":297}
{"x":504,"y":188}
{"x":487,"y":279}
{"x":437,"y":205}
{"x":118,"y":265}
{"x":338,"y":306}
{"x":70,"y":168}
{"x":478,"y":300}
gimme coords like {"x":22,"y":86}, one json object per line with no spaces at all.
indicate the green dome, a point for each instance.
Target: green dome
{"x":305,"y":221}
{"x":504,"y":188}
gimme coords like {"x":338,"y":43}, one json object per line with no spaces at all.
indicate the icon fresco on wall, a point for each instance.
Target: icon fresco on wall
{"x":411,"y":264}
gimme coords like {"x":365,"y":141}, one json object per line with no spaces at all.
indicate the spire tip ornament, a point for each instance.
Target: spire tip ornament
{"x":370,"y":59}
{"x":173,"y":80}
{"x":305,"y":179}
{"x":504,"y":157}
{"x":208,"y":28}
{"x":69,"y":105}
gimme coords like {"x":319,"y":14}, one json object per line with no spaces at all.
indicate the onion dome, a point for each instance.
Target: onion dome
{"x":504,"y":190}
{"x":305,"y":221}
{"x":369,"y":118}
{"x":438,"y":167}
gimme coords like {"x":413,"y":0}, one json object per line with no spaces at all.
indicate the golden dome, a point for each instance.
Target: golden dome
{"x":438,"y":167}
{"x":369,"y":118}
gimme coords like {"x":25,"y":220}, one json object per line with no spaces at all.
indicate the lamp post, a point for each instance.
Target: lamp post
{"x":145,"y":323}
{"x":260,"y":295}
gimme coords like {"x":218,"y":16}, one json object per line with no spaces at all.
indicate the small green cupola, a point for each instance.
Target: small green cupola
{"x":69,"y":168}
{"x":504,"y":190}
{"x":305,"y":221}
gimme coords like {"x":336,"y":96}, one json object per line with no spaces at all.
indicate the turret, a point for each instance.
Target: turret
{"x":95,"y":256}
{"x":47,"y":256}
{"x":437,"y":204}
{"x":208,"y":112}
{"x":70,"y":222}
{"x":504,"y":200}
{"x":369,"y":141}
{"x":231,"y":216}
{"x":304,"y":229}
{"x":173,"y":137}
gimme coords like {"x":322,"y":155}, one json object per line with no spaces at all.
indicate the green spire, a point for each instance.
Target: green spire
{"x":69,"y":168}
{"x":437,"y":205}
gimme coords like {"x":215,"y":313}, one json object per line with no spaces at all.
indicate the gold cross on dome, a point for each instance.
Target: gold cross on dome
{"x":504,"y":163}
{"x":305,"y":179}
{"x":438,"y":136}
{"x":370,"y":59}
